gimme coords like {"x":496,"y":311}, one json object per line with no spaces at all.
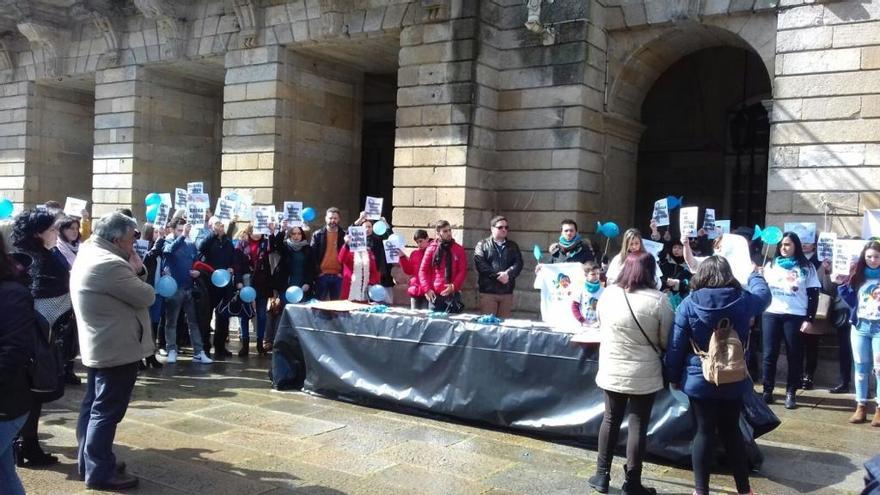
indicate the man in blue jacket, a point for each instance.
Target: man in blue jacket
{"x":180,"y":254}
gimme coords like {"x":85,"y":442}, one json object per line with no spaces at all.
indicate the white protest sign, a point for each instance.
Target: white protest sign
{"x":661,"y":212}
{"x":74,"y":207}
{"x":224,"y":210}
{"x":870,"y":224}
{"x":195,"y":187}
{"x":181,"y":197}
{"x":164,"y":211}
{"x":846,"y":252}
{"x":653,"y":247}
{"x":243,"y":205}
{"x":722,"y":226}
{"x":142,"y":246}
{"x":709,"y":223}
{"x":357,"y":239}
{"x":825,"y":246}
{"x":195,"y":232}
{"x":687,"y":221}
{"x":392,"y":251}
{"x":262,"y":217}
{"x":293,"y":213}
{"x":197,"y":213}
{"x":806,"y":231}
{"x":373,"y":208}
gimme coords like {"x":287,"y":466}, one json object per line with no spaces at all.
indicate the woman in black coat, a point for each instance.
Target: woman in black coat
{"x":16,"y":348}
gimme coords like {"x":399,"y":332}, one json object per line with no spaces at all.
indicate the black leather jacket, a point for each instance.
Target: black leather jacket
{"x":490,"y":260}
{"x":319,"y":245}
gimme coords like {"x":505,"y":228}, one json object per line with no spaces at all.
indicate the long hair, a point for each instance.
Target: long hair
{"x":628,"y":236}
{"x":639,"y":271}
{"x":714,"y":273}
{"x":799,"y":256}
{"x":305,"y":235}
{"x":65,"y":222}
{"x":857,"y":275}
{"x":28,"y":226}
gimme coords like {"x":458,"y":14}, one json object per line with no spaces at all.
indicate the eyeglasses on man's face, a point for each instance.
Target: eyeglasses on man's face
{"x":501,"y":227}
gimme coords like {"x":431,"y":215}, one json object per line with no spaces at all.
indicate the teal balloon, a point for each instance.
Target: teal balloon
{"x":380,"y":227}
{"x":536,"y":251}
{"x":757,"y":234}
{"x":6,"y":208}
{"x":308,"y":214}
{"x":152,"y":199}
{"x":293,"y":294}
{"x":221,"y":278}
{"x":166,"y":286}
{"x":377,"y":293}
{"x":247,"y":294}
{"x":608,"y":229}
{"x":396,"y":239}
{"x":152,"y":212}
{"x":771,"y":235}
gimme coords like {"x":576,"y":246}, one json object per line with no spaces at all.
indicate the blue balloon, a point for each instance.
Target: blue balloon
{"x":166,"y":286}
{"x":757,"y":234}
{"x":152,"y":199}
{"x":247,"y":294}
{"x":396,"y":239}
{"x":609,"y":229}
{"x":771,"y":235}
{"x":152,"y":212}
{"x":221,"y":278}
{"x":308,"y":214}
{"x":6,"y":208}
{"x":536,"y":251}
{"x":377,"y":293}
{"x":293,"y":294}
{"x":380,"y":227}
{"x":672,"y":202}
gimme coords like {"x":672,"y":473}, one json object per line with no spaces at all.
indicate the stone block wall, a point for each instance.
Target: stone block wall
{"x":16,"y":103}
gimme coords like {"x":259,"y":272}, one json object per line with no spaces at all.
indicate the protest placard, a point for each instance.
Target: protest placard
{"x":142,"y":246}
{"x":806,"y":231}
{"x":661,"y":212}
{"x":373,"y":208}
{"x":357,"y":239}
{"x":224,"y":210}
{"x":293,"y":213}
{"x":687,"y":221}
{"x":164,"y":210}
{"x":709,"y":223}
{"x":181,"y":197}
{"x":825,"y":246}
{"x":195,"y":187}
{"x":262,"y":217}
{"x":871,"y":224}
{"x":846,"y":252}
{"x":653,"y":247}
{"x":722,"y":227}
{"x":392,"y":251}
{"x":74,"y":207}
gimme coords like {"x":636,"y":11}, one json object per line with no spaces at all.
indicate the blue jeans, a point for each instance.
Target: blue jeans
{"x":328,"y":287}
{"x":775,"y":329}
{"x":261,"y":303}
{"x":108,"y":392}
{"x":182,"y":299}
{"x":10,"y":483}
{"x":865,"y":340}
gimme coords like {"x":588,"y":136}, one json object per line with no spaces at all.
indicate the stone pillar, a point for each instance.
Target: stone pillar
{"x":16,"y":103}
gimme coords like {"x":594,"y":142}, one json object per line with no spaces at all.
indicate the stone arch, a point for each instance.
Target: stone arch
{"x":638,"y":58}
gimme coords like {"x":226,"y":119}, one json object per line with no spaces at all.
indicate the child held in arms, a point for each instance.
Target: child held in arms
{"x":583,"y":307}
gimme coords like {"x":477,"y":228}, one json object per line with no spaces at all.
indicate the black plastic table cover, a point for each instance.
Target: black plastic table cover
{"x":530,"y":379}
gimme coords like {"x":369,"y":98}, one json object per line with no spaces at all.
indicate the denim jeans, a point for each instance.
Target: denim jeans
{"x":108,"y":392}
{"x":328,"y":287}
{"x":182,"y":299}
{"x":865,"y":340}
{"x":777,"y":328}
{"x":10,"y":483}
{"x":261,"y":303}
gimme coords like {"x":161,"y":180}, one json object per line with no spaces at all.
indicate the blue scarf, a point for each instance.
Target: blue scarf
{"x":592,"y":287}
{"x":787,"y":262}
{"x":566,"y":244}
{"x":872,"y":272}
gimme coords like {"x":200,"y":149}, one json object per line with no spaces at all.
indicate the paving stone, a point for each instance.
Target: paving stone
{"x":201,"y":477}
{"x":454,"y":462}
{"x":423,"y":481}
{"x":345,"y":461}
{"x":266,"y":442}
{"x":270,"y":421}
{"x":197,"y":425}
{"x":515,"y":453}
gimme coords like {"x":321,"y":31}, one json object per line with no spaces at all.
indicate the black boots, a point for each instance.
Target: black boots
{"x":245,"y":348}
{"x":152,"y":362}
{"x":600,"y":480}
{"x":632,"y":484}
{"x":843,"y":388}
{"x":260,"y":349}
{"x":790,"y":401}
{"x":807,"y":382}
{"x":31,"y":455}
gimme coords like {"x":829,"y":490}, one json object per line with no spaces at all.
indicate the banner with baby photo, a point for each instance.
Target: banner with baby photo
{"x":560,"y":284}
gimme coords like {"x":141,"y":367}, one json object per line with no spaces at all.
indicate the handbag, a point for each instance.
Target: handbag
{"x":823,"y":307}
{"x":628,"y":305}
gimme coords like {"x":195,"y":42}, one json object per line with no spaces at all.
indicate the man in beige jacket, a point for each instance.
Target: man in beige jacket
{"x":111,"y":301}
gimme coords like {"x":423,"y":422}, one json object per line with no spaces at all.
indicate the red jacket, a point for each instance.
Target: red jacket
{"x":410,"y":266}
{"x":434,"y":278}
{"x":346,"y":257}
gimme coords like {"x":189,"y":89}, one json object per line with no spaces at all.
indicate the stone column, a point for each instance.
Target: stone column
{"x":16,"y":106}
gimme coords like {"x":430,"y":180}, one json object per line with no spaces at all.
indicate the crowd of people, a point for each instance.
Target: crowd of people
{"x":85,"y":288}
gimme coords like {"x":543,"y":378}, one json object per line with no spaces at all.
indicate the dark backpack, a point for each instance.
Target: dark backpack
{"x":46,"y":368}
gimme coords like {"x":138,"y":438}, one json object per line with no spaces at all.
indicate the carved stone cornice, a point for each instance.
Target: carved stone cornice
{"x":435,"y":10}
{"x":104,"y":24}
{"x":6,"y":59}
{"x":248,"y":27}
{"x":169,"y":22}
{"x":48,"y":43}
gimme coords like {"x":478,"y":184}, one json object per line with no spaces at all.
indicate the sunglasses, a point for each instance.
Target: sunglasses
{"x":501,"y":227}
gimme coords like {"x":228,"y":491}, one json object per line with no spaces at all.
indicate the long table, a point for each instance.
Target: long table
{"x":526,"y":378}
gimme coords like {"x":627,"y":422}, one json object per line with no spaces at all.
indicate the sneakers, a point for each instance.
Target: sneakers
{"x":172,"y":357}
{"x":163,"y":352}
{"x":202,"y":358}
{"x":790,"y":402}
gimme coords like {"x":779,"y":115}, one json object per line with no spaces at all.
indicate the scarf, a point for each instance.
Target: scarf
{"x":566,"y":244}
{"x":444,"y":253}
{"x":296,"y":245}
{"x":675,"y":260}
{"x":360,"y":276}
{"x":592,"y":287}
{"x":68,"y":250}
{"x":785,"y":262}
{"x":872,"y":272}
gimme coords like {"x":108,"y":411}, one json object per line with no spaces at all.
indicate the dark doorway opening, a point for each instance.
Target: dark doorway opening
{"x":707,"y":137}
{"x":377,"y":145}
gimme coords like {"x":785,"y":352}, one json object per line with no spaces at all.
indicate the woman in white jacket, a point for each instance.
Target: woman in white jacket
{"x":635,"y":319}
{"x":632,"y":244}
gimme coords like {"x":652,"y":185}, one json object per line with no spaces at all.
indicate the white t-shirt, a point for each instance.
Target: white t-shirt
{"x":588,"y":301}
{"x":616,"y":266}
{"x":789,"y":288}
{"x":869,"y":300}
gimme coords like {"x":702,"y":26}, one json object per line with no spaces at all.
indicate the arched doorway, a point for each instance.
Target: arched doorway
{"x":707,"y":135}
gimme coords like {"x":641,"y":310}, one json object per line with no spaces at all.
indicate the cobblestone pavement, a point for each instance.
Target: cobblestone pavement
{"x":219,"y":429}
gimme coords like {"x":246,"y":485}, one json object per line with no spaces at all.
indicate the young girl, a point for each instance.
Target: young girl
{"x":584,"y":305}
{"x":862,"y":293}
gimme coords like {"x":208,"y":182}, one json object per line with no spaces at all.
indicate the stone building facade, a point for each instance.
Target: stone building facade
{"x":455,"y":109}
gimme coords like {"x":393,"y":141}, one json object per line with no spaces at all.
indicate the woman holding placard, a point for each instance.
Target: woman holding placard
{"x":297,"y":260}
{"x":632,"y":244}
{"x":862,"y":292}
{"x":794,"y":285}
{"x":252,"y":263}
{"x":359,"y":268}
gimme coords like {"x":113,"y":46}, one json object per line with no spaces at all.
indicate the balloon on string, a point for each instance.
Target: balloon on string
{"x":221,"y":278}
{"x":6,"y":208}
{"x":152,"y":199}
{"x":608,"y":229}
{"x":152,"y":212}
{"x":771,"y":235}
{"x":293,"y":294}
{"x":166,"y":286}
{"x":247,"y":294}
{"x":395,"y":239}
{"x":377,"y":293}
{"x":308,"y":214}
{"x":536,"y":251}
{"x":672,"y":202}
{"x":380,"y":227}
